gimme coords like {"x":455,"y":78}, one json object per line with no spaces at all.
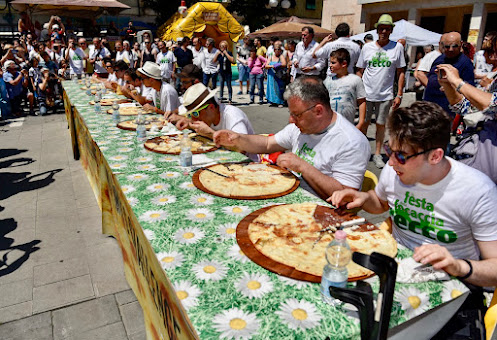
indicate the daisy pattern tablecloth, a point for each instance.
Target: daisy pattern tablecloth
{"x":193,"y":235}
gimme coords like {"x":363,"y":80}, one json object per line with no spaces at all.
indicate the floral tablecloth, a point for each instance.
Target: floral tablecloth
{"x":193,"y":235}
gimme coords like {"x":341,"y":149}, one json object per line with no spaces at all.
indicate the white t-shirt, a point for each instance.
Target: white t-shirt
{"x":210,"y":67}
{"x":454,"y":212}
{"x":234,"y":119}
{"x":147,"y":92}
{"x":124,"y":56}
{"x":103,"y":52}
{"x":380,"y":65}
{"x":426,"y":62}
{"x":198,"y":56}
{"x":112,"y":77}
{"x":304,"y":56}
{"x":342,"y":42}
{"x":341,"y":152}
{"x":76,"y":58}
{"x":166,"y":62}
{"x":481,"y":66}
{"x":344,"y":93}
{"x":168,"y":100}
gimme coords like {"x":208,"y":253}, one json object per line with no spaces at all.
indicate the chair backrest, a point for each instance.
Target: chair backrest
{"x":491,"y":317}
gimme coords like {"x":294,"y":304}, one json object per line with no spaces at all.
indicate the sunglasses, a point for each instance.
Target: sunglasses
{"x":196,"y":113}
{"x":399,"y":155}
{"x":449,"y":46}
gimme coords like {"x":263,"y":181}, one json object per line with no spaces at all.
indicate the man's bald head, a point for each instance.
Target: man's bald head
{"x":452,"y":44}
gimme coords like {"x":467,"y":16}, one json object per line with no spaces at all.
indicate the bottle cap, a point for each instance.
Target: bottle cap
{"x":340,"y":235}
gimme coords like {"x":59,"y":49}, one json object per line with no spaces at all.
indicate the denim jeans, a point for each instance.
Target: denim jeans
{"x":210,"y":76}
{"x":259,"y":78}
{"x":226,"y":77}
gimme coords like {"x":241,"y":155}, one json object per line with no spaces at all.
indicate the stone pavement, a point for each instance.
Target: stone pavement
{"x":60,"y":277}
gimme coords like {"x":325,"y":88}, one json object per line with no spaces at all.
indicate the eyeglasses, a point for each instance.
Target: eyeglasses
{"x":297,"y":116}
{"x":108,"y":66}
{"x":196,"y":113}
{"x":399,"y":155}
{"x":447,"y":47}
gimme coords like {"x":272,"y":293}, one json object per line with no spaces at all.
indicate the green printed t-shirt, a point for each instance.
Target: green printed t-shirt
{"x":454,"y":212}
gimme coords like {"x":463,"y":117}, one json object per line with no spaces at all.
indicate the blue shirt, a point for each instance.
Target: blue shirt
{"x":12,"y":90}
{"x":432,"y":92}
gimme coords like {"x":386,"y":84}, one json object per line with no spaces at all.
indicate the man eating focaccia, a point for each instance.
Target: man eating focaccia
{"x":326,"y":149}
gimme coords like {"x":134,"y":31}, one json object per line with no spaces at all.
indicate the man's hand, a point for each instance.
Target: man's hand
{"x":349,"y":198}
{"x":449,"y":73}
{"x":24,"y":72}
{"x":396,"y":103}
{"x":485,"y":81}
{"x":148,"y":107}
{"x":226,"y":138}
{"x":202,"y":128}
{"x":291,"y":161}
{"x":307,"y":68}
{"x":183,"y":123}
{"x":440,"y":258}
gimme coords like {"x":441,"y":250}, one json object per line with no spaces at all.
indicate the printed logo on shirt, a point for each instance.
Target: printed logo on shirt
{"x":380,"y":60}
{"x":306,"y":153}
{"x":164,"y":61}
{"x":76,"y":57}
{"x":416,"y":215}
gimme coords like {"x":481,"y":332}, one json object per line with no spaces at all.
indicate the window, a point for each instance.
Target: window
{"x":310,"y":4}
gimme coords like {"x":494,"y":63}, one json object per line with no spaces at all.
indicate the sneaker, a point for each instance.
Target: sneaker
{"x":240,"y":93}
{"x":251,"y":102}
{"x":378,"y":161}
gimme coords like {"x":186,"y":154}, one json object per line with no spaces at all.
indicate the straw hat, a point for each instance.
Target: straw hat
{"x":385,"y":19}
{"x":151,"y":70}
{"x":9,"y":63}
{"x":196,"y":96}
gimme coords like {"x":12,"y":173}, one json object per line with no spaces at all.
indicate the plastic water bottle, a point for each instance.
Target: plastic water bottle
{"x":98,"y":105}
{"x":116,"y":116}
{"x":141,"y":129}
{"x":185,"y":156}
{"x":335,"y":272}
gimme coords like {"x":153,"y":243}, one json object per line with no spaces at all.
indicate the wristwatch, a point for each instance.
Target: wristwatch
{"x":458,"y":88}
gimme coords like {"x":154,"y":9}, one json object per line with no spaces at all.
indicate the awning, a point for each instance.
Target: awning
{"x":69,"y":7}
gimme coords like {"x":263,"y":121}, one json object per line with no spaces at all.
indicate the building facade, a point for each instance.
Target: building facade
{"x":471,"y":18}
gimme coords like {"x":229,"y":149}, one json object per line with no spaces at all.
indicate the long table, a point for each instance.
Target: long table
{"x":180,"y":252}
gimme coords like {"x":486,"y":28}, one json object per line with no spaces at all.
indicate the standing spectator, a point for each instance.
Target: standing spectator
{"x":24,"y":25}
{"x":136,"y":55}
{"x":84,"y":46}
{"x":452,"y":55}
{"x":44,"y":36}
{"x":145,"y":36}
{"x":346,"y":89}
{"x":16,"y":83}
{"x":292,"y":45}
{"x":211,"y":66}
{"x":56,"y":28}
{"x":481,"y":66}
{"x":127,"y":48}
{"x":276,"y":65}
{"x":184,"y":56}
{"x":5,"y":111}
{"x":261,"y":50}
{"x":368,"y":38}
{"x":302,"y":58}
{"x":424,"y":65}
{"x":327,"y":46}
{"x":148,"y":53}
{"x":48,"y":92}
{"x":166,"y":61}
{"x":47,"y":62}
{"x":35,"y":78}
{"x":242,"y":56}
{"x":256,"y":64}
{"x":76,"y":57}
{"x":225,"y":59}
{"x":96,"y":56}
{"x":270,"y":48}
{"x":198,"y":52}
{"x":379,"y":63}
{"x":121,"y":53}
{"x":130,"y":32}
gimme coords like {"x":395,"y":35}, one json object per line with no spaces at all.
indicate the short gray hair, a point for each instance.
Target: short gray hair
{"x":308,"y":89}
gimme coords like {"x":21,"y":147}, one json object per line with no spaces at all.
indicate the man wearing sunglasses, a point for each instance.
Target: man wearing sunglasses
{"x":326,"y":149}
{"x":451,"y":44}
{"x":208,"y":115}
{"x":441,"y":209}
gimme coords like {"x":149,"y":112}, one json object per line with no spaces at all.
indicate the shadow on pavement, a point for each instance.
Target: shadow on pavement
{"x":6,"y":248}
{"x":22,"y":161}
{"x":10,"y":152}
{"x":16,"y":182}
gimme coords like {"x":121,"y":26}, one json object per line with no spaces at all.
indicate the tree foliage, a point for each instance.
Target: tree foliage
{"x":255,"y":13}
